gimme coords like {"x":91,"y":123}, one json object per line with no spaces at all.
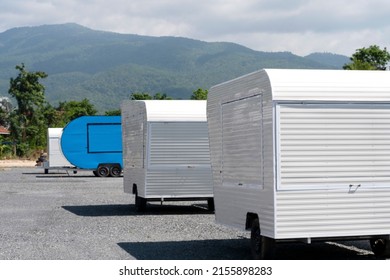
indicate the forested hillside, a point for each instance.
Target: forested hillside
{"x":107,"y":67}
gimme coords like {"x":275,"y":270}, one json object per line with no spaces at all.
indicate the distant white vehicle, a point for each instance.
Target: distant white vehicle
{"x":166,"y":152}
{"x":303,"y":155}
{"x":55,"y":158}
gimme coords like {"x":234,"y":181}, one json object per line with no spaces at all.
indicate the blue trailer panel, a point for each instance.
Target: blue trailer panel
{"x":90,"y":142}
{"x":103,"y":137}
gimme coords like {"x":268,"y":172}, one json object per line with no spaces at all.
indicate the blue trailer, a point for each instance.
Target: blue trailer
{"x":94,"y":143}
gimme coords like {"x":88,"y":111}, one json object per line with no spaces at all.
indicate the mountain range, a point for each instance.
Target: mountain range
{"x":107,"y":67}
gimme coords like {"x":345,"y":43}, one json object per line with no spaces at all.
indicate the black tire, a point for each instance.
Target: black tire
{"x":103,"y":171}
{"x":210,"y":204}
{"x":380,"y":247}
{"x":115,"y":171}
{"x":46,"y":171}
{"x":140,"y":203}
{"x":261,"y":247}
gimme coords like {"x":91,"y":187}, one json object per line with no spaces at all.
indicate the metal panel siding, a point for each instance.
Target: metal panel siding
{"x":313,"y":198}
{"x":178,"y":160}
{"x":333,"y":213}
{"x":179,"y":183}
{"x":242,"y":142}
{"x":178,"y":143}
{"x":133,"y":134}
{"x":233,"y":203}
{"x":333,"y":145}
{"x":333,"y":162}
{"x":168,"y":157}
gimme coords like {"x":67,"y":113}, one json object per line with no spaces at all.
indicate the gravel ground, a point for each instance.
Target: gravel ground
{"x":61,"y":216}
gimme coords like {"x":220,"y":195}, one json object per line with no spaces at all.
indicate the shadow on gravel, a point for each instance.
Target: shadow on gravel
{"x":69,"y":174}
{"x":60,"y":175}
{"x":100,"y":210}
{"x":129,"y":210}
{"x":229,"y":249}
{"x":239,"y":249}
{"x":64,"y":176}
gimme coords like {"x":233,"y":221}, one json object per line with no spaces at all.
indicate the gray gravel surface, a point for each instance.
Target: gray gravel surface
{"x":61,"y":216}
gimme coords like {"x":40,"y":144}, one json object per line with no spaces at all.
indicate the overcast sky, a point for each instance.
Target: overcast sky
{"x":298,"y":26}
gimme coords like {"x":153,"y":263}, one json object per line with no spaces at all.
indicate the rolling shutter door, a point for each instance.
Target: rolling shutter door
{"x":333,"y":145}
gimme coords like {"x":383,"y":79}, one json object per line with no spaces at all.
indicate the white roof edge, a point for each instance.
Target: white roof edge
{"x":55,"y":131}
{"x":329,"y":85}
{"x":175,"y":110}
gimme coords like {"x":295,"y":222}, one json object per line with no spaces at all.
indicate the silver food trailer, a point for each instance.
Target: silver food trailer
{"x":303,"y":155}
{"x":166,"y":152}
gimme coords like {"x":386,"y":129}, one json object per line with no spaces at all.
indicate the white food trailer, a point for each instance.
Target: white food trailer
{"x":166,"y":152}
{"x":55,"y":157}
{"x":303,"y":155}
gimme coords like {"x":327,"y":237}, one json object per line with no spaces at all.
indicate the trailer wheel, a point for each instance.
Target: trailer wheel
{"x":380,"y":247}
{"x":103,"y":171}
{"x":261,"y":247}
{"x":140,"y":203}
{"x":115,"y":170}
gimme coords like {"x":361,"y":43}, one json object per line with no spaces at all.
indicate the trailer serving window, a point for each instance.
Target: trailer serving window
{"x":181,"y":144}
{"x":242,"y":152}
{"x":102,"y":138}
{"x":323,"y":146}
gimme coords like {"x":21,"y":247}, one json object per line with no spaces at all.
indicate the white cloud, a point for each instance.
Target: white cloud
{"x":300,"y":26}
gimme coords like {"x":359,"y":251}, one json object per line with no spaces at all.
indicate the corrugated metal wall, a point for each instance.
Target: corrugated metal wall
{"x":242,"y":142}
{"x":334,"y":212}
{"x":249,"y":188}
{"x":312,"y":153}
{"x":133,"y":135}
{"x":330,"y":145}
{"x":178,"y":160}
{"x":334,"y":170}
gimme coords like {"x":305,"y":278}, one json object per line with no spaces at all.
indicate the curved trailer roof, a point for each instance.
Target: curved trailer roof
{"x":322,"y":85}
{"x":172,"y":110}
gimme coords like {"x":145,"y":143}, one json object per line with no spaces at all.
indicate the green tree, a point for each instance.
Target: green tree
{"x":140,"y":96}
{"x":27,"y":122}
{"x":71,"y":110}
{"x":53,"y":117}
{"x":5,"y":110}
{"x":147,"y":96}
{"x":161,"y":96}
{"x":371,"y":58}
{"x":199,"y":94}
{"x":113,"y":113}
